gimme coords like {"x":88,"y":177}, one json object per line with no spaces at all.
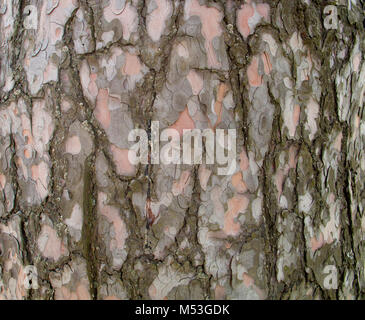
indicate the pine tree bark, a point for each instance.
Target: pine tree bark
{"x":79,"y":221}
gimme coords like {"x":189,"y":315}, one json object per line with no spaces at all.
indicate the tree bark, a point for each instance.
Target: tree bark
{"x":79,"y":221}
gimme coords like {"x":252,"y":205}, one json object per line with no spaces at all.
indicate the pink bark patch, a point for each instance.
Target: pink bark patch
{"x":132,"y":65}
{"x":247,"y":280}
{"x":179,"y":186}
{"x":249,"y":15}
{"x":254,"y":79}
{"x":73,"y":145}
{"x":238,"y":183}
{"x":20,"y":164}
{"x":210,"y":19}
{"x":293,"y":157}
{"x":157,"y":18}
{"x":317,"y":244}
{"x":183,"y":122}
{"x":196,"y":82}
{"x":101,"y":112}
{"x":279,"y":180}
{"x":64,"y":293}
{"x":244,"y":162}
{"x":20,"y":289}
{"x":357,"y":122}
{"x":338,"y":142}
{"x":204,"y":174}
{"x":222,"y":90}
{"x":112,"y":215}
{"x":27,"y":130}
{"x":2,"y":181}
{"x":219,"y":292}
{"x":50,"y":244}
{"x":92,"y":87}
{"x":243,"y":15}
{"x":50,"y":73}
{"x":237,"y":204}
{"x":27,"y":136}
{"x":40,"y":174}
{"x":128,"y":18}
{"x":267,"y":64}
{"x":152,"y":291}
{"x":82,"y":292}
{"x":296,"y":116}
{"x":27,"y":153}
{"x":356,"y":62}
{"x":121,"y":161}
{"x":264,"y":10}
{"x":111,"y":298}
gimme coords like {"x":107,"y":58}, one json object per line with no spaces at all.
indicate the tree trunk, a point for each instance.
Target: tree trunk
{"x":78,"y":220}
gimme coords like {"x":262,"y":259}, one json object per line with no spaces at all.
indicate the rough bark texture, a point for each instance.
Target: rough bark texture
{"x":76,"y":76}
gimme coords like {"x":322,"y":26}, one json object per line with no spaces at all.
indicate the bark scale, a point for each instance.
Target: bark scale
{"x":79,"y":221}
